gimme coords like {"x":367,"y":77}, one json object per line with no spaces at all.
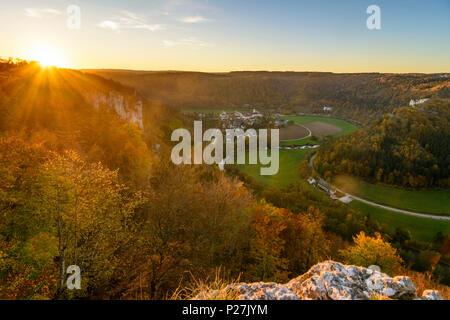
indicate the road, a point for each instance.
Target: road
{"x":374,"y":204}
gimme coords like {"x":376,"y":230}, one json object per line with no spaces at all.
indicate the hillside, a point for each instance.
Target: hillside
{"x":409,"y":147}
{"x":362,"y":97}
{"x":87,"y":113}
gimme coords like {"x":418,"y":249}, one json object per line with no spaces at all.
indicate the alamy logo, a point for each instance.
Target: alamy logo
{"x":213,"y":153}
{"x":74,"y":280}
{"x":73,"y":17}
{"x":374,"y":20}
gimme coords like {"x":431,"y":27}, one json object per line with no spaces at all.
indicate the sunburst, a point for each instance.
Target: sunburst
{"x":47,"y":55}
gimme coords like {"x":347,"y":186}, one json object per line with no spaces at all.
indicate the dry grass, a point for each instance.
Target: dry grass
{"x":209,"y":289}
{"x":217,"y":287}
{"x":424,"y":282}
{"x":379,"y":297}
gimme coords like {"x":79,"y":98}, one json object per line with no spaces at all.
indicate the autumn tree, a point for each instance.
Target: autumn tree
{"x":90,"y":210}
{"x":267,"y":263}
{"x":367,"y":251}
{"x":305,"y":241}
{"x":194,"y":220}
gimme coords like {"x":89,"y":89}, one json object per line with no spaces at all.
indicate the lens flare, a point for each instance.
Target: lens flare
{"x":47,"y":55}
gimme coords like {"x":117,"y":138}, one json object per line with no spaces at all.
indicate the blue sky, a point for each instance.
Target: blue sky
{"x":225,"y":35}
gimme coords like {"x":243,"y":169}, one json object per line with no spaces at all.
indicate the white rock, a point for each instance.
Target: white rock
{"x":431,"y":295}
{"x":331,"y":280}
{"x":263,"y":291}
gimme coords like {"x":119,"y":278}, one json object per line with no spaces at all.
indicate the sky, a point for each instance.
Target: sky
{"x":230,"y":35}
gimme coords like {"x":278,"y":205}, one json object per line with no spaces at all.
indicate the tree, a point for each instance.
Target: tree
{"x":304,"y":169}
{"x":91,"y":212}
{"x":267,"y":245}
{"x":427,"y":260}
{"x":368,"y":251}
{"x":58,"y":210}
{"x":185,"y":227}
{"x":27,"y":246}
{"x":401,"y":235}
{"x":305,"y":241}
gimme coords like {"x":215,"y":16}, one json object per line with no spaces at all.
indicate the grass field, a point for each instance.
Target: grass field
{"x":290,"y":159}
{"x":287,"y":173}
{"x":422,"y":229}
{"x":299,"y":142}
{"x":344,"y":125}
{"x":425,"y":201}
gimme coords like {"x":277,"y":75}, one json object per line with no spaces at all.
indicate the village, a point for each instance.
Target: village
{"x":245,"y":120}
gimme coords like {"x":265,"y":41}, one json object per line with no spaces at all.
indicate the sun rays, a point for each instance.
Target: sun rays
{"x":48,"y":55}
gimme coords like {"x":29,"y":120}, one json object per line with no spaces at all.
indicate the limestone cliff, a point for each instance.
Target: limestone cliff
{"x":128,"y":108}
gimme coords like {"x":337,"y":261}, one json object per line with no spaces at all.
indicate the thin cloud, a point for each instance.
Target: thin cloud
{"x":191,"y":42}
{"x":41,"y":13}
{"x":107,"y":24}
{"x":150,"y":27}
{"x":129,"y":20}
{"x":194,"y":19}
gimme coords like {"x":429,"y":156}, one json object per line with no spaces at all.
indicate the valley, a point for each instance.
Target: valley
{"x":112,"y":135}
{"x":306,"y":127}
{"x":413,"y":205}
{"x":194,"y":150}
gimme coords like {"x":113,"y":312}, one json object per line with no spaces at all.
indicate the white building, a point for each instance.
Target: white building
{"x":346,"y":199}
{"x":413,"y":102}
{"x":223,"y":116}
{"x":256,"y":114}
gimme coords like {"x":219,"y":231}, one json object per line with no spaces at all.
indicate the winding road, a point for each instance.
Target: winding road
{"x":374,"y":204}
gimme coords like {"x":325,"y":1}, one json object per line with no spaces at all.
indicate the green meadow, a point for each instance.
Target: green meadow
{"x":301,"y":142}
{"x":290,"y":159}
{"x":423,"y":201}
{"x":422,"y":229}
{"x":287,"y":173}
{"x":344,"y":125}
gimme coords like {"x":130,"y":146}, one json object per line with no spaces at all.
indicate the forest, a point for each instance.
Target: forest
{"x":79,"y":185}
{"x":409,"y":147}
{"x":363,"y":97}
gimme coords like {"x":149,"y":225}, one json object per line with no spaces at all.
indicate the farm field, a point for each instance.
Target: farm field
{"x":294,"y":132}
{"x":424,"y":201}
{"x":422,"y":229}
{"x":345,"y":126}
{"x":320,"y":128}
{"x":287,"y":173}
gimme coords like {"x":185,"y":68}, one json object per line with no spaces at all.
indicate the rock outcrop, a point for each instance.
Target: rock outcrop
{"x":331,"y":280}
{"x":334,"y":281}
{"x":431,"y":295}
{"x":128,"y":108}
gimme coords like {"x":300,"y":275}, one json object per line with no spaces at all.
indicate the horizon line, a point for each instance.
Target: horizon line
{"x":254,"y":71}
{"x":233,"y":71}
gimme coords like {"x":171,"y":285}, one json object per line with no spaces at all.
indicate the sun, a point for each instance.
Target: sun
{"x":47,"y":56}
